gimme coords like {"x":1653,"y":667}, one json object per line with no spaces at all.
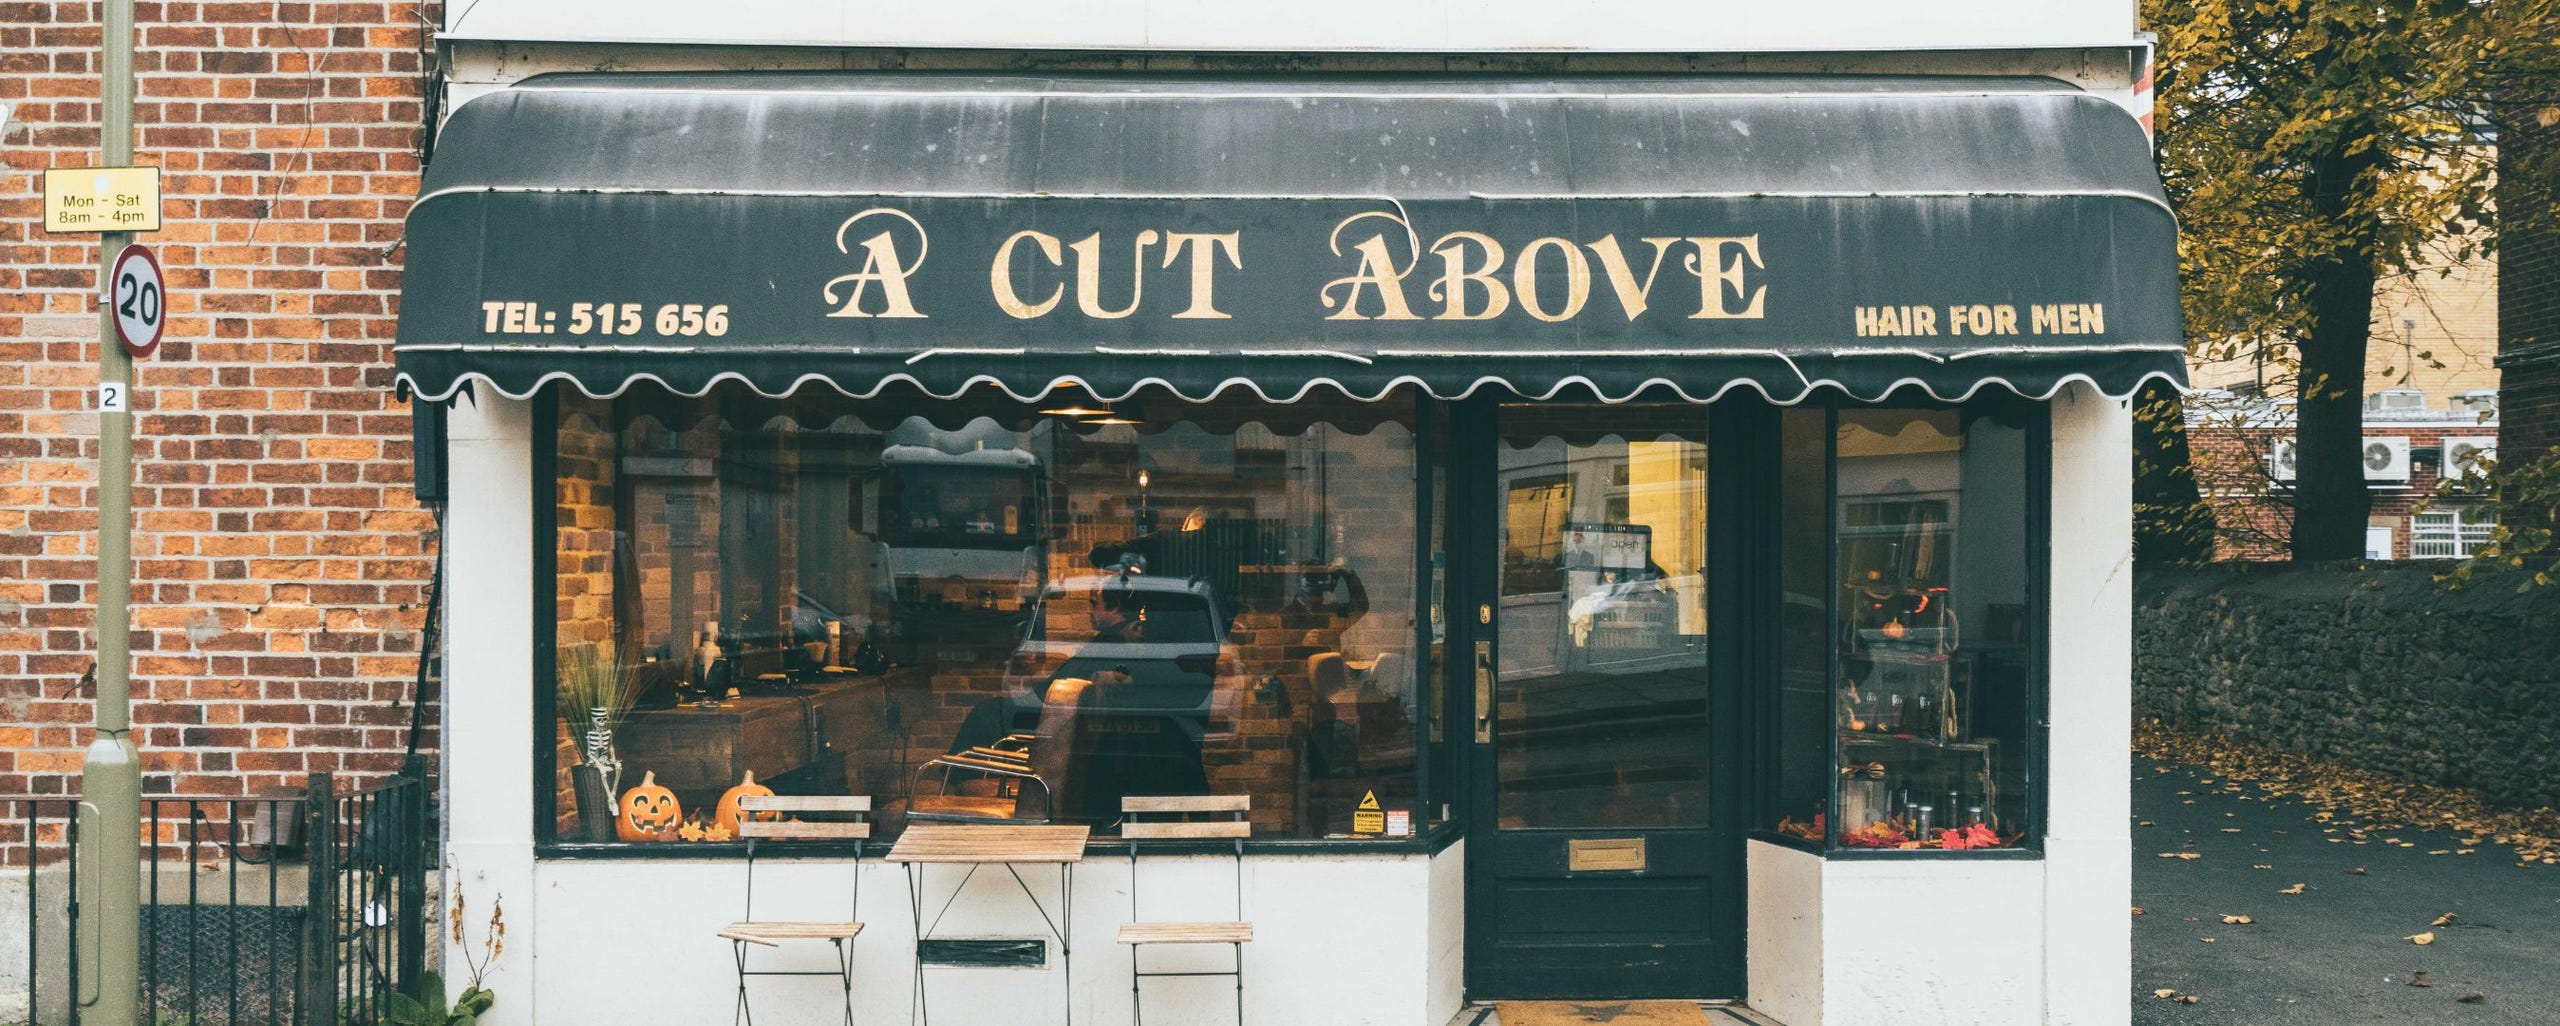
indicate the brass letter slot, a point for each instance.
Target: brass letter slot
{"x":1604,"y":855}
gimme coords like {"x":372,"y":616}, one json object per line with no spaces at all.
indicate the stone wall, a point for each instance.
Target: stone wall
{"x":2368,"y":665}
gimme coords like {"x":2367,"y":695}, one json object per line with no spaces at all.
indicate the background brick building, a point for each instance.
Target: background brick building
{"x":281,"y":564}
{"x":2529,"y":293}
{"x":2235,"y":442}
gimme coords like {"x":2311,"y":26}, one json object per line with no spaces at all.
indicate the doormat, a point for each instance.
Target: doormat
{"x":1615,"y":1013}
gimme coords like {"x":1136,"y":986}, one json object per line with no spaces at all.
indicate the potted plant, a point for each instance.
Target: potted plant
{"x":597,"y":689}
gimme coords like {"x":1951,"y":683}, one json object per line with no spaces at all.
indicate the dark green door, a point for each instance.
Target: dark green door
{"x":1603,"y":857}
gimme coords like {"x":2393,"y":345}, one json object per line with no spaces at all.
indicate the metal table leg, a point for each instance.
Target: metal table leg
{"x":1066,"y":943}
{"x":916,"y":1009}
{"x":1061,"y":926}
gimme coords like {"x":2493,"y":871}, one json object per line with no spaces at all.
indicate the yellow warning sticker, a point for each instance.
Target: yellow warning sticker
{"x":1369,"y":818}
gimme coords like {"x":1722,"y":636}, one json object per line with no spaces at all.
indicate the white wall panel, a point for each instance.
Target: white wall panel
{"x":1784,"y":933}
{"x":1446,"y":946}
{"x":1338,"y":941}
{"x":2088,"y":830}
{"x":488,"y":672}
{"x":1933,"y":941}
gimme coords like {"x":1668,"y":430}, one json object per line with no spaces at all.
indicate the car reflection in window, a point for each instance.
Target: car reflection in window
{"x":1154,"y":649}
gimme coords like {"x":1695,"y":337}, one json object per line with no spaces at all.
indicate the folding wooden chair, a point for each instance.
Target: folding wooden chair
{"x":774,"y":933}
{"x":1139,"y":824}
{"x":1050,"y":759}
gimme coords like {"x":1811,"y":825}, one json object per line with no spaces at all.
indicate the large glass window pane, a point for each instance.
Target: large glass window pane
{"x":1442,"y":803}
{"x":1933,"y":627}
{"x":971,"y":609}
{"x":1798,"y":787}
{"x":1601,"y":697}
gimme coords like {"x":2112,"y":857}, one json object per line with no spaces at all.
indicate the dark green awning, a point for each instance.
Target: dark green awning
{"x":1609,"y":234}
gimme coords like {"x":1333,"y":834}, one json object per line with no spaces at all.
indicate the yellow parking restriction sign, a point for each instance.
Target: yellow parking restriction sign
{"x":102,"y":199}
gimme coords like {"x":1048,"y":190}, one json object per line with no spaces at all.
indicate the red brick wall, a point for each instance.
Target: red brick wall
{"x":280,"y":562}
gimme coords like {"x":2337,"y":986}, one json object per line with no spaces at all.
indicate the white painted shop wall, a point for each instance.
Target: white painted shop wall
{"x":1338,"y":940}
{"x":487,"y":722}
{"x":1341,"y":940}
{"x":1655,"y":26}
{"x":2088,"y":880}
{"x":1995,"y":942}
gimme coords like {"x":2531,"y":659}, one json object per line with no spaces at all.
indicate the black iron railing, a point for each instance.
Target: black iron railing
{"x":297,"y":909}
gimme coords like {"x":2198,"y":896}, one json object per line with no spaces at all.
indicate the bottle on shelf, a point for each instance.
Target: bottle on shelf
{"x":710,"y":661}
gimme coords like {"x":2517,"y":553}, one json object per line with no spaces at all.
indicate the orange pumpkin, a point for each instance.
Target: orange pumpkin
{"x":726,"y":814}
{"x":649,"y":812}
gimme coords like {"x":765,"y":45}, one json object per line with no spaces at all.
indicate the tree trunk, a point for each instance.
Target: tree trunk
{"x":2171,"y":523}
{"x":2330,"y":501}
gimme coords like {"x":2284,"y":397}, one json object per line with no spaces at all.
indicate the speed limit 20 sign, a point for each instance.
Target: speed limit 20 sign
{"x":140,"y":299}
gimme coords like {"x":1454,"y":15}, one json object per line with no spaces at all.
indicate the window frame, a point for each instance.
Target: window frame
{"x":2037,"y":740}
{"x":1441,"y":777}
{"x":2464,"y":534}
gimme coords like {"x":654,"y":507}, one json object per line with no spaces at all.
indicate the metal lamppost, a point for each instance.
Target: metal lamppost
{"x":111,"y":775}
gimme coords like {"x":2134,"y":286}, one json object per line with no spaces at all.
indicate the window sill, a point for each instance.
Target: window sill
{"x":2025,"y":854}
{"x":1105,"y":847}
{"x":1934,"y":854}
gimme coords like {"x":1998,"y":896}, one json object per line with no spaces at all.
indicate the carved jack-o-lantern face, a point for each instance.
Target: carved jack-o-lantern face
{"x":726,"y":814}
{"x":649,"y":812}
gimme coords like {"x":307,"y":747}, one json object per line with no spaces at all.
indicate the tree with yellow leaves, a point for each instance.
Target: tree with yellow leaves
{"x":2313,"y":148}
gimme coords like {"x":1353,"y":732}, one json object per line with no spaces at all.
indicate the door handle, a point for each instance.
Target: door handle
{"x":1484,"y":692}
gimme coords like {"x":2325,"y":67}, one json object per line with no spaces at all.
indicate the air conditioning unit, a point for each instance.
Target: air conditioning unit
{"x":2386,"y":459}
{"x":2464,"y":457}
{"x":2394,"y":400}
{"x":2280,"y":460}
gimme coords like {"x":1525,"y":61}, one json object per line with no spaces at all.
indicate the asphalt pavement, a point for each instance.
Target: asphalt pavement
{"x":2338,"y":952}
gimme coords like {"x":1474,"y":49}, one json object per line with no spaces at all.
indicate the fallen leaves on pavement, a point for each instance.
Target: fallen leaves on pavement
{"x":2232,"y":920}
{"x":2295,"y":889}
{"x":2419,"y":979}
{"x":2380,"y":802}
{"x":2421,"y":939}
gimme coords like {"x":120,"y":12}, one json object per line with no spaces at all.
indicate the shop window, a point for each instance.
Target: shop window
{"x":2453,"y":533}
{"x":1930,"y":636}
{"x":972,"y":609}
{"x":1441,"y":800}
{"x":1602,"y":678}
{"x":1798,"y":782}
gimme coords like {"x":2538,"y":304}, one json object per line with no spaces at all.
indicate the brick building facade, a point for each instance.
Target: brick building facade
{"x":2529,"y":292}
{"x":281,"y":564}
{"x":2238,"y":445}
